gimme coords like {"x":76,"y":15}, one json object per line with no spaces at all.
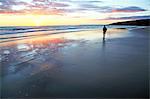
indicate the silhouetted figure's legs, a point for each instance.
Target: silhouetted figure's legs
{"x":104,"y":35}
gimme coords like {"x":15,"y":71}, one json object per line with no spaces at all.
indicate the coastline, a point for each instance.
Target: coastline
{"x":82,"y":66}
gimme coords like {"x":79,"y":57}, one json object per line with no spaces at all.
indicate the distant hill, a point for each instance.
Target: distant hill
{"x":143,"y":22}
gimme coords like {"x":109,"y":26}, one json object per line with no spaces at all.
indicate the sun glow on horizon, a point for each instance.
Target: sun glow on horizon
{"x":45,"y":20}
{"x":70,"y":12}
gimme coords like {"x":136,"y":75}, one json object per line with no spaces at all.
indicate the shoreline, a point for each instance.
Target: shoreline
{"x":77,"y":65}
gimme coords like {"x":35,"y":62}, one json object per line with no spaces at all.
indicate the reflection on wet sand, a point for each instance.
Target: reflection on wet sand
{"x":63,"y":64}
{"x":38,"y":54}
{"x":21,"y":53}
{"x":16,"y":53}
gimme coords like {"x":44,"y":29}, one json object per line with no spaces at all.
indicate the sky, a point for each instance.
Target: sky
{"x":70,"y":12}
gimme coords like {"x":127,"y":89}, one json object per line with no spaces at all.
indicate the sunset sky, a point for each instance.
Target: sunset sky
{"x":70,"y":12}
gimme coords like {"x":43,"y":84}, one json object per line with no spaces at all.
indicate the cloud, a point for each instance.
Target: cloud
{"x":127,"y":18}
{"x":60,"y":7}
{"x":128,"y":9}
{"x":10,"y":12}
{"x":6,"y":6}
{"x":108,"y":9}
{"x":34,"y":7}
{"x":83,"y":1}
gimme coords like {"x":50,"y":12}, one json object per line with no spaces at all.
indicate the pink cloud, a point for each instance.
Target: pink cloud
{"x":36,"y":7}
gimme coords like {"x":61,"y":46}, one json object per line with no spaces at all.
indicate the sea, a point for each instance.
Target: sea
{"x":13,"y":33}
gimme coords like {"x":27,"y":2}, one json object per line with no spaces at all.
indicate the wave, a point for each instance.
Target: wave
{"x":11,"y":38}
{"x":14,"y":30}
{"x":11,"y":33}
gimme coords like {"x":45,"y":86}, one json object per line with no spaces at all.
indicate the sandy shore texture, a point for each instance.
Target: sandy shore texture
{"x":78,"y":64}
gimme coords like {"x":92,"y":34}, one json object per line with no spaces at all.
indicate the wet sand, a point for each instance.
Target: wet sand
{"x":76,"y":65}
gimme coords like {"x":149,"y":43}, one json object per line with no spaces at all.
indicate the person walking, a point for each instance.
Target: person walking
{"x":104,"y":32}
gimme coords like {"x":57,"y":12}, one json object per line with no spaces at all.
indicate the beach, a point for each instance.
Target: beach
{"x":75,"y":62}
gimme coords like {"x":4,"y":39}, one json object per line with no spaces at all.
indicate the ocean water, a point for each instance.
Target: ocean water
{"x":12,"y":33}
